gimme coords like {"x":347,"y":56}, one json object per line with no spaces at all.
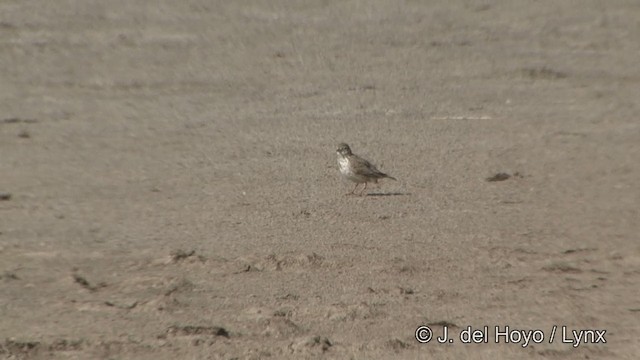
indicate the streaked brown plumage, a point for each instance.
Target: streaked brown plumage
{"x":357,"y":169}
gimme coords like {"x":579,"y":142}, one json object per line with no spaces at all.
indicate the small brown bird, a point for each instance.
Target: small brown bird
{"x":357,"y":169}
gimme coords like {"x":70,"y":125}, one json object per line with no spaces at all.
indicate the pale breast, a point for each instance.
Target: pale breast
{"x":343,"y":164}
{"x":345,"y":170}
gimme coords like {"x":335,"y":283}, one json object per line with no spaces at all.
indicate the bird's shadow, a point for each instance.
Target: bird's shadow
{"x":390,"y":194}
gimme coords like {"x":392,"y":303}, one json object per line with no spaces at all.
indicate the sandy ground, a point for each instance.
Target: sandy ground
{"x":171,"y":188}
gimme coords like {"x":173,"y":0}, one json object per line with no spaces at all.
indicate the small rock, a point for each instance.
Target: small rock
{"x":190,"y":330}
{"x":499,"y":177}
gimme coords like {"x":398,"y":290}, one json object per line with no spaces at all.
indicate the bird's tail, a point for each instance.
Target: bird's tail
{"x":390,"y":177}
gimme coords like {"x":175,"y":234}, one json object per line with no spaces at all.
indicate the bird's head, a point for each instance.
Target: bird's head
{"x":344,"y":149}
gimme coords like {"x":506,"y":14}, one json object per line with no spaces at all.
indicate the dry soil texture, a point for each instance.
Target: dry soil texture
{"x":170,"y":188}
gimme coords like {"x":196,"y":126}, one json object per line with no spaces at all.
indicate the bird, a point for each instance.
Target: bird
{"x":354,"y":168}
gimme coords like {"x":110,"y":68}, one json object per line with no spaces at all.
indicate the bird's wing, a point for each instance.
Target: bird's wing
{"x":365,"y":168}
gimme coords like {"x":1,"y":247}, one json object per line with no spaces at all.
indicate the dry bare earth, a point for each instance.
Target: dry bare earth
{"x":170,"y":188}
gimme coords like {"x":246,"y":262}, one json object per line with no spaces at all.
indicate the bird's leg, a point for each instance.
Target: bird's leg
{"x":363,"y":189}
{"x":353,"y":191}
